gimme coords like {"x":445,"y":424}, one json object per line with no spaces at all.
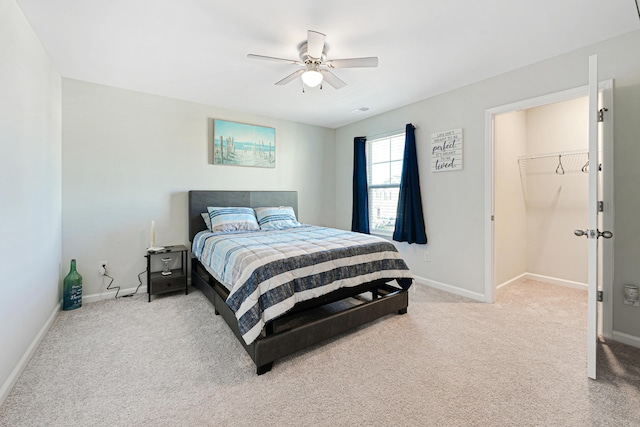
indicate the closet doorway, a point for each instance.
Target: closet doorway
{"x":541,"y":194}
{"x":537,"y":193}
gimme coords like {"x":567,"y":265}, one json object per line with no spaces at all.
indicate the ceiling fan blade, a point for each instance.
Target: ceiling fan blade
{"x":371,"y":61}
{"x":291,"y":77}
{"x":271,"y":58}
{"x":315,"y":44}
{"x":332,"y":79}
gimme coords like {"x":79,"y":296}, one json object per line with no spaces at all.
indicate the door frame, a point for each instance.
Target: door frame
{"x":606,"y":89}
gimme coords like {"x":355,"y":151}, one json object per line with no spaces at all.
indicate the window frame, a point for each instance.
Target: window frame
{"x":372,"y":187}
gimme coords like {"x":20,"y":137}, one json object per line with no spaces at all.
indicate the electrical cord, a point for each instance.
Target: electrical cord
{"x":110,"y":283}
{"x":109,"y":288}
{"x":138,"y":287}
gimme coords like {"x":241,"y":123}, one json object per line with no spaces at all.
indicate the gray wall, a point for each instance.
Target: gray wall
{"x":626,"y":318}
{"x":130,"y":158}
{"x":454,"y":201}
{"x":30,"y":229}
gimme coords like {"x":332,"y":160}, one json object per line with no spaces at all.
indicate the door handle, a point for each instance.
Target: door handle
{"x":605,"y":234}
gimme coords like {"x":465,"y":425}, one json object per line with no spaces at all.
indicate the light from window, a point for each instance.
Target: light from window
{"x":384,"y":167}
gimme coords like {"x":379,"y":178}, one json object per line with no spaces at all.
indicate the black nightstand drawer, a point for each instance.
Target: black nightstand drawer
{"x":174,"y":282}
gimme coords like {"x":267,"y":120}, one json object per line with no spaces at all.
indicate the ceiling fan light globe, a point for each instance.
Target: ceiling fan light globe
{"x":312,"y":78}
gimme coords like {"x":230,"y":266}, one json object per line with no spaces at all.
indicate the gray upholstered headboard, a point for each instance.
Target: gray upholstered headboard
{"x":200,"y":200}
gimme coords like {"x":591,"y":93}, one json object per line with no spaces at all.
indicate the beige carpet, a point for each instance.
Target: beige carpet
{"x":449,"y":361}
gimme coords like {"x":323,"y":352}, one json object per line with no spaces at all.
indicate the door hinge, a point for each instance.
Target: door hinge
{"x":600,"y":296}
{"x":493,"y":218}
{"x":600,"y":206}
{"x":601,"y":114}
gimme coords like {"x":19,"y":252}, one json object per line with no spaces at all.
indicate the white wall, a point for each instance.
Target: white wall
{"x":454,"y":201}
{"x":130,"y":158}
{"x":30,"y":229}
{"x":557,"y":204}
{"x":510,"y":226}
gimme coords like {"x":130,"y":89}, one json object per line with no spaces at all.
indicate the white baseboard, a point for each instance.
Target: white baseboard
{"x":111,"y":293}
{"x":556,"y":281}
{"x":626,"y":339}
{"x":450,"y":288}
{"x":548,"y":279}
{"x":481,"y":297}
{"x":511,"y":281}
{"x":17,"y":371}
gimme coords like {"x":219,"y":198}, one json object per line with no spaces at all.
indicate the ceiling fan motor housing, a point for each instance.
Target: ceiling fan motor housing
{"x":307,"y":59}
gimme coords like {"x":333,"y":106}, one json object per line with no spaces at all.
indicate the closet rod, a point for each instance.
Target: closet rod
{"x":556,"y":154}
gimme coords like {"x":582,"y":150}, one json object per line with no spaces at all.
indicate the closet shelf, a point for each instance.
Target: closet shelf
{"x":560,"y":162}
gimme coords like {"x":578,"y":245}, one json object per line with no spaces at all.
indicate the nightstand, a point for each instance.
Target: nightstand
{"x":158,"y":283}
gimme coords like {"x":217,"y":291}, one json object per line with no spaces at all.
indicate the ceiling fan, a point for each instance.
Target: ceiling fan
{"x":313,"y":57}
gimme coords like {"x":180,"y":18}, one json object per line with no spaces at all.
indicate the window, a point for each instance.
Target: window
{"x":384,"y":168}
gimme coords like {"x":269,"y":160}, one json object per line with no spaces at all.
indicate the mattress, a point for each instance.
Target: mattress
{"x":268,"y":272}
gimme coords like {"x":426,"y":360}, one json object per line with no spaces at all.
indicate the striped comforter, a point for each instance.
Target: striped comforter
{"x":267,"y":272}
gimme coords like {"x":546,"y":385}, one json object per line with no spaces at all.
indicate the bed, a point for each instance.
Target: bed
{"x":283,"y":302}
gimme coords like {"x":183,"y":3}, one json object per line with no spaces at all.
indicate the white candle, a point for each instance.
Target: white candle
{"x":153,"y":234}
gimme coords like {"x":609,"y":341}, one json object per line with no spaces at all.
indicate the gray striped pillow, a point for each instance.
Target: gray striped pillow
{"x":232,"y":219}
{"x":207,"y":220}
{"x":276,"y":218}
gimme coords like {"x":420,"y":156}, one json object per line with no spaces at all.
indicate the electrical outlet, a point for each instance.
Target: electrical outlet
{"x":631,"y":295}
{"x":427,"y":256}
{"x":102,"y":267}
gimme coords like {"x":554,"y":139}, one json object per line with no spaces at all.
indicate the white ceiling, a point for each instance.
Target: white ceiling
{"x":197,"y":50}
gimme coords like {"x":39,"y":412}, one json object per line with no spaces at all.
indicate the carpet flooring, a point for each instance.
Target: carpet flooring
{"x":449,"y":361}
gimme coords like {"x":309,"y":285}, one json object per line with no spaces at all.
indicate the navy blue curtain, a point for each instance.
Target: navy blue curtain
{"x":409,"y":219}
{"x":360,"y":214}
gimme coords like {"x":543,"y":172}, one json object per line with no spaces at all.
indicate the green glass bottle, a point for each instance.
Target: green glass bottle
{"x":72,"y":292}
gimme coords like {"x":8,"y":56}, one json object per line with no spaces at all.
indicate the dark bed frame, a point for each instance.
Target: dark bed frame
{"x":308,"y":323}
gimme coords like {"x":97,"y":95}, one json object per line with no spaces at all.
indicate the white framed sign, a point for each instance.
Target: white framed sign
{"x":446,"y":150}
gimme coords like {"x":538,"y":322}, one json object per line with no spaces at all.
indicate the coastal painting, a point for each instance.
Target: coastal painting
{"x":241,"y":144}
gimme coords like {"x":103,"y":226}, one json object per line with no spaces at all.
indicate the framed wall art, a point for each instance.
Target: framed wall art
{"x":446,"y":151}
{"x":242,"y":144}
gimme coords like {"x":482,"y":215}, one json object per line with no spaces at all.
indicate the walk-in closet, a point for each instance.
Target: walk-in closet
{"x":541,"y":194}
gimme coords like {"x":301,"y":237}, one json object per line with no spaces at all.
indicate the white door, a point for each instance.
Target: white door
{"x":592,"y":278}
{"x":592,"y":233}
